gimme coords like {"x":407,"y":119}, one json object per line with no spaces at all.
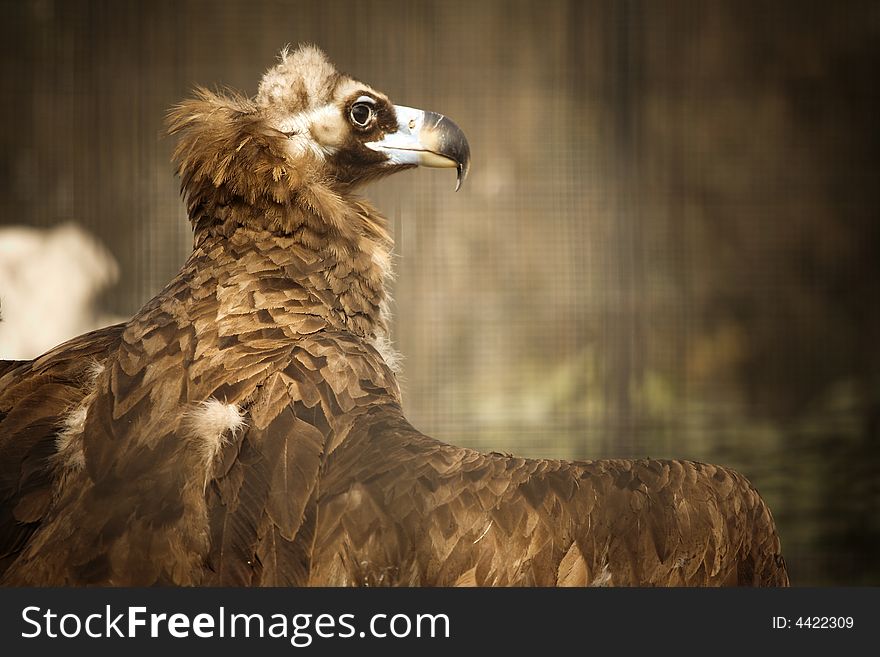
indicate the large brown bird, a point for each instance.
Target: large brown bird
{"x":245,"y":428}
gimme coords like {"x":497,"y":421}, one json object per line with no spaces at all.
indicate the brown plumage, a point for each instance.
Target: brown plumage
{"x":245,"y":428}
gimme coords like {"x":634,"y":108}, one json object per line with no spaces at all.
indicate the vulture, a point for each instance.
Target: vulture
{"x":245,"y":428}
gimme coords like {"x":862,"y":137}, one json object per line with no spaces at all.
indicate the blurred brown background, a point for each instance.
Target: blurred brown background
{"x":667,"y":245}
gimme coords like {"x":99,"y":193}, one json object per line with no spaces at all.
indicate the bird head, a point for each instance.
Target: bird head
{"x":353,"y":129}
{"x":311,"y":135}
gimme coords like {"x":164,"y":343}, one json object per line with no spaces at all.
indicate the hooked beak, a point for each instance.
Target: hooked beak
{"x":426,"y":139}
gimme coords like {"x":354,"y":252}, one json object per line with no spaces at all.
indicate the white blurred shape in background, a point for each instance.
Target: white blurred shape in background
{"x":50,"y":279}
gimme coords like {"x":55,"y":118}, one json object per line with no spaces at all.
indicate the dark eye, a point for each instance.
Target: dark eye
{"x":361,"y":114}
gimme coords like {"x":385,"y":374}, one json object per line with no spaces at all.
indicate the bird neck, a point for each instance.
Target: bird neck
{"x":247,"y":192}
{"x":300,"y":263}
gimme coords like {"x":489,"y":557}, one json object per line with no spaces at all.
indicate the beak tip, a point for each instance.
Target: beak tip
{"x":427,"y":139}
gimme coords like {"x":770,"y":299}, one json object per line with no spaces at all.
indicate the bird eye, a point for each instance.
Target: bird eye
{"x":361,"y":114}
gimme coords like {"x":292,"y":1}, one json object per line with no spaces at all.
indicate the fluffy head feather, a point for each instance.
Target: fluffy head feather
{"x":301,"y":80}
{"x":285,"y":159}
